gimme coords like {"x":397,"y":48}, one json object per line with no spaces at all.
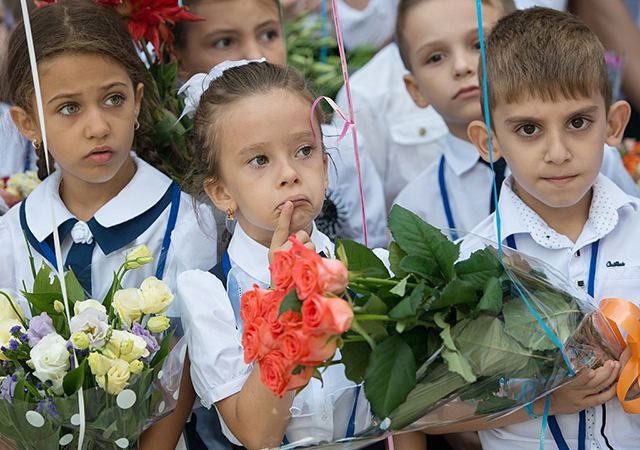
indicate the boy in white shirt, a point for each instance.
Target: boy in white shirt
{"x":551,"y":114}
{"x":439,"y":43}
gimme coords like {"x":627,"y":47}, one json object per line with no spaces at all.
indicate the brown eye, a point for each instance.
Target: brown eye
{"x":579,"y":123}
{"x":529,"y":129}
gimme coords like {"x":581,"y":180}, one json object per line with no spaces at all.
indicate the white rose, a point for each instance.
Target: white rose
{"x":157,"y":296}
{"x":127,"y":346}
{"x":116,"y":378}
{"x":128,"y":305}
{"x":92,"y":323}
{"x":79,"y":307}
{"x":50,"y":359}
{"x":8,"y":308}
{"x":99,"y":364}
{"x":138,"y":257}
{"x":5,"y":333}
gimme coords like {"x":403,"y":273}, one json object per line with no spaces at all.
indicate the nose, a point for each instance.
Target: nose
{"x":288,"y":174}
{"x":252,"y":49}
{"x":464,"y":64}
{"x":97,"y":125}
{"x":557,"y":151}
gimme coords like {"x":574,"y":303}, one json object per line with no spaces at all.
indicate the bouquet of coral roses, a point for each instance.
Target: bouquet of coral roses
{"x":86,"y":370}
{"x":433,"y":339}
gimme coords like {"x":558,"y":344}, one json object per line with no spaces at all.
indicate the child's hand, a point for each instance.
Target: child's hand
{"x":590,"y":388}
{"x":280,"y":239}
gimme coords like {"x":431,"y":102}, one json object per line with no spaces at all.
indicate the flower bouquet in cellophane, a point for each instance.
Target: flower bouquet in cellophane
{"x":102,"y":370}
{"x":435,"y":340}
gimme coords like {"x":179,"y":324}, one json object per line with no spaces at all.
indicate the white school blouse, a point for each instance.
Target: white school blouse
{"x":614,"y":220}
{"x":191,"y":246}
{"x":400,"y":138}
{"x":469,"y":185}
{"x":319,"y":412}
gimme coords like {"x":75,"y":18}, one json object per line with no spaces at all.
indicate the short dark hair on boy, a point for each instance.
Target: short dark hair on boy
{"x":544,"y":53}
{"x":404,"y":8}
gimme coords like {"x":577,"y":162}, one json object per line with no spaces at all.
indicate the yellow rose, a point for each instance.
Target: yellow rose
{"x":158,"y":324}
{"x":80,"y":340}
{"x":136,"y":366}
{"x":99,"y":364}
{"x":128,"y":305}
{"x":78,"y":307}
{"x":157,"y":296}
{"x":127,"y":346}
{"x":8,"y":308}
{"x":5,"y":333}
{"x":116,"y":379}
{"x":138,"y":257}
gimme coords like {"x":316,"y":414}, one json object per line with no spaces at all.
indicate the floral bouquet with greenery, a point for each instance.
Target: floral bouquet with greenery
{"x":87,"y":367}
{"x":437,"y":341}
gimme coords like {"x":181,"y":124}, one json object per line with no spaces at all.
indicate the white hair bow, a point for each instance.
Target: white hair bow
{"x":197,"y":84}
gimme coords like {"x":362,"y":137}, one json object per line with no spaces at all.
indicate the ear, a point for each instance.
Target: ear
{"x":25,"y":123}
{"x":479,"y":136}
{"x":617,"y":120}
{"x":139,"y":94}
{"x":414,"y":91}
{"x":220,"y":196}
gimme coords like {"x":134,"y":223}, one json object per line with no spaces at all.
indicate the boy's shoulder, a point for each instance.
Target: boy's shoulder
{"x":417,"y":195}
{"x":484,"y":233}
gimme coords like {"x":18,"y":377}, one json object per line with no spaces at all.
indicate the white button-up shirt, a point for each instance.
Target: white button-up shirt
{"x":614,"y":221}
{"x":400,"y":138}
{"x":191,"y":247}
{"x":469,"y":185}
{"x":321,"y":411}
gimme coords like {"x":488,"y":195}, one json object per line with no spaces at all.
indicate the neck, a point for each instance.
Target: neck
{"x":459,"y":130}
{"x":568,"y":221}
{"x":83,"y":199}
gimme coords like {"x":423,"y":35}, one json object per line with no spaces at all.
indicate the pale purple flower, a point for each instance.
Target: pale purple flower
{"x":48,"y":407}
{"x":152,"y":342}
{"x":8,"y":387}
{"x":39,"y":327}
{"x":13,"y":345}
{"x":94,"y":324}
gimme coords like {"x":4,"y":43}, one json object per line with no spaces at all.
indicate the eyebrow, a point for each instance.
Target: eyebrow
{"x":262,"y":146}
{"x":437,"y":42}
{"x":76,"y":94}
{"x":519,"y":119}
{"x":233,"y":31}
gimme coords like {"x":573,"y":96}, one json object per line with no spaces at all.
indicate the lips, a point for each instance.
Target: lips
{"x":560,"y":180}
{"x":467,"y":92}
{"x":297,"y":200}
{"x":100,"y":155}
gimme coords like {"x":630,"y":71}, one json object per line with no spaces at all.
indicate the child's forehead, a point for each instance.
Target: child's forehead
{"x":533,"y":103}
{"x":216,"y":10}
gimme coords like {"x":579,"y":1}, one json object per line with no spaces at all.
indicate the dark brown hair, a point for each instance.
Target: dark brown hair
{"x":544,"y":53}
{"x":78,"y":26}
{"x":404,"y":8}
{"x":234,"y":85}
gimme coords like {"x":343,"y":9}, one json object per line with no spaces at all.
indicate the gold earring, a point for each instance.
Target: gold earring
{"x":137,"y":125}
{"x":230,"y":222}
{"x":35,"y":143}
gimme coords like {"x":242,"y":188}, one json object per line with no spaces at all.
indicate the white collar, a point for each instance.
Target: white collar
{"x":145,"y":189}
{"x":253,"y":257}
{"x":607,"y":200}
{"x":461,"y":155}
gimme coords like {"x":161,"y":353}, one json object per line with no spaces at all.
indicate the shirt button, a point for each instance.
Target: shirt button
{"x":422,"y":131}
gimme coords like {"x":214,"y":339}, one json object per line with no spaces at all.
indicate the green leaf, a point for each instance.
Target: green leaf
{"x":458,"y":364}
{"x":46,"y":282}
{"x":355,"y":356}
{"x":108,"y":300}
{"x":561,"y":317}
{"x":43,"y":301}
{"x":74,"y":379}
{"x":375,"y":328}
{"x":488,"y":348}
{"x":445,"y":334}
{"x":374,"y":305}
{"x":400,"y":288}
{"x":396,"y":254}
{"x":491,"y":301}
{"x":390,"y":375}
{"x":75,"y":291}
{"x":290,"y":302}
{"x":480,"y":266}
{"x":362,"y":260}
{"x":457,"y":292}
{"x":162,"y":353}
{"x":416,"y":237}
{"x":408,"y":306}
{"x":423,"y":267}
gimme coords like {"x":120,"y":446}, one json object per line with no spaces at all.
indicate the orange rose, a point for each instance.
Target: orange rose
{"x":257,"y":340}
{"x":251,"y":304}
{"x":329,"y":315}
{"x":305,"y":276}
{"x":275,"y":372}
{"x":281,"y":269}
{"x":321,"y":349}
{"x":301,"y":379}
{"x":291,"y":319}
{"x":294,"y":344}
{"x":272,"y":301}
{"x":332,"y":276}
